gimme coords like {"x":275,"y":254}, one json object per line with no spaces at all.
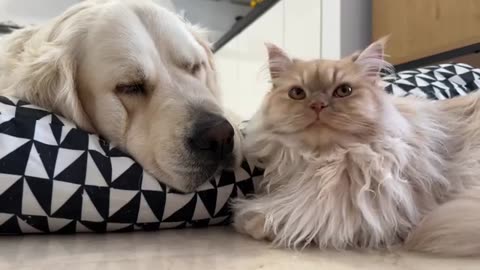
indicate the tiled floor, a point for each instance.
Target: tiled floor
{"x":214,"y":248}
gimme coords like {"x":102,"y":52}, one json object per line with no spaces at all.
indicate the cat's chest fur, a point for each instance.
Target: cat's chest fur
{"x":362,"y":195}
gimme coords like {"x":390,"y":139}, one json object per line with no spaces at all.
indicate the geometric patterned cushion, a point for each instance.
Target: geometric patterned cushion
{"x":56,"y":178}
{"x":434,"y":82}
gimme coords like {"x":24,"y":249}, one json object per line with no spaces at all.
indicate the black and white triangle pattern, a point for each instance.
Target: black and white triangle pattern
{"x":434,"y":82}
{"x":56,"y":178}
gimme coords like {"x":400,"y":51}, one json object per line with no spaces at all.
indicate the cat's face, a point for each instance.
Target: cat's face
{"x":321,"y":102}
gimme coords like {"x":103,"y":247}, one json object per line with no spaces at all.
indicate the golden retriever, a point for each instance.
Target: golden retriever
{"x":133,"y":72}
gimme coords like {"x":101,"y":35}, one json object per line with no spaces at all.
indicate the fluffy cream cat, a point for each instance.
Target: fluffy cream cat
{"x":349,"y":166}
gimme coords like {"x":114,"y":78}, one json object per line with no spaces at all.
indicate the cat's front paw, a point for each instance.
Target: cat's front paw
{"x":252,"y":224}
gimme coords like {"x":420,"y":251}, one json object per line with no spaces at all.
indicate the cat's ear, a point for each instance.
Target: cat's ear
{"x":372,"y":59}
{"x":278,"y":60}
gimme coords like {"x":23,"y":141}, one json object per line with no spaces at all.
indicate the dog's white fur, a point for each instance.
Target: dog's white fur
{"x":73,"y":64}
{"x":417,"y":185}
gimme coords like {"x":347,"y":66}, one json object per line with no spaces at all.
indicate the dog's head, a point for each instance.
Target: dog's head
{"x":140,"y":76}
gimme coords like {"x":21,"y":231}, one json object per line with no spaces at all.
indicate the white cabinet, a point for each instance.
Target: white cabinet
{"x":252,"y":84}
{"x":240,"y":62}
{"x":302,"y":28}
{"x":305,"y":28}
{"x":267,"y":28}
{"x":227,"y":67}
{"x":331,"y":29}
{"x":242,"y":65}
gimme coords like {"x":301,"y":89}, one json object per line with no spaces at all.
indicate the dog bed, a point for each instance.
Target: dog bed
{"x":56,"y":178}
{"x":434,"y":82}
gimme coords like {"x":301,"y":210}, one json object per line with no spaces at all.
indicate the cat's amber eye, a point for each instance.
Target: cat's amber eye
{"x":297,"y":93}
{"x":343,"y":90}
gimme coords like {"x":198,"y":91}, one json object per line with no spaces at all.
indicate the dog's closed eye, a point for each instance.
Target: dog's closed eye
{"x":193,"y":68}
{"x":136,"y":88}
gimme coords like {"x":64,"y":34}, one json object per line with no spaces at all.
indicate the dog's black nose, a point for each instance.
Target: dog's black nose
{"x":213,"y":136}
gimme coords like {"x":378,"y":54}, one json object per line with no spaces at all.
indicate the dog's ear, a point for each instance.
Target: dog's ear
{"x":48,"y":79}
{"x":46,"y":73}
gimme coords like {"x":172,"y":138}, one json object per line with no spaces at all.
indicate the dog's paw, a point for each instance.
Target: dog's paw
{"x":253,"y":225}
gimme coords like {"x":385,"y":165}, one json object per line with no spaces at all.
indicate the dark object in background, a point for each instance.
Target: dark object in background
{"x":242,"y":24}
{"x":6,"y":28}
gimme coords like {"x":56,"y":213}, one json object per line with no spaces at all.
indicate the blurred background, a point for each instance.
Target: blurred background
{"x":217,"y":15}
{"x":422,"y":32}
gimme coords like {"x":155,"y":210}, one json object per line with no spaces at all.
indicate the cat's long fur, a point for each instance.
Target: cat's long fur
{"x":416,"y":184}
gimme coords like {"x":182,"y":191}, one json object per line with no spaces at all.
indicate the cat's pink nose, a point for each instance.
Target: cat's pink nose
{"x":318,"y":106}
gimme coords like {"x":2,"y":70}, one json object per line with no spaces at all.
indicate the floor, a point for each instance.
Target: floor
{"x":213,"y":248}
